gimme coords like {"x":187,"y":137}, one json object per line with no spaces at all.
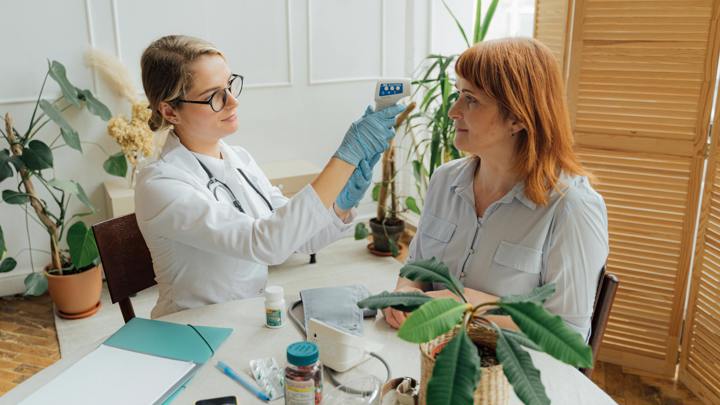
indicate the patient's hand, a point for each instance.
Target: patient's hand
{"x":394,"y":317}
{"x":474,"y":297}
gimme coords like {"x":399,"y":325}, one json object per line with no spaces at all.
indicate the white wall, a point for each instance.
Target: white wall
{"x":309,"y":68}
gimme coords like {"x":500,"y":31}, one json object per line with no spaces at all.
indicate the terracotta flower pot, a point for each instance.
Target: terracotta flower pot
{"x":76,"y":295}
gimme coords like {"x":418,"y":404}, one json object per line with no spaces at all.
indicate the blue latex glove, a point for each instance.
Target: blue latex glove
{"x":369,"y":135}
{"x":357,"y":185}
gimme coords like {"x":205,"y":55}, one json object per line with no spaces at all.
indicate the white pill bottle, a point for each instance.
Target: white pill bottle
{"x":274,"y":307}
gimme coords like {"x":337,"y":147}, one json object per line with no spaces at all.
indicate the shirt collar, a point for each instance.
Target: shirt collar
{"x":462,"y":185}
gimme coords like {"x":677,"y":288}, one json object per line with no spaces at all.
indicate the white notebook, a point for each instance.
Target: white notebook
{"x":109,"y":375}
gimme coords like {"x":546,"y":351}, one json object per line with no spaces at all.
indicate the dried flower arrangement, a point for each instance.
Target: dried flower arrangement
{"x":134,"y":136}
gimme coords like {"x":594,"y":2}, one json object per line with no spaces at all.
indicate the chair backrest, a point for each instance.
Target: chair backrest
{"x":125,"y":259}
{"x":607,"y":287}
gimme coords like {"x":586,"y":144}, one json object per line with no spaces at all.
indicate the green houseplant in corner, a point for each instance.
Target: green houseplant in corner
{"x":457,"y":337}
{"x":73,"y":277}
{"x":435,"y":95}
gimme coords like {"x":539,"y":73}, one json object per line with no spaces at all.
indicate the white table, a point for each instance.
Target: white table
{"x":345,"y":262}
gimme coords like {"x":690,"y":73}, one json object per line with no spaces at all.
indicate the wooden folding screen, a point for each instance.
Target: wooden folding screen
{"x":700,"y":355}
{"x":551,"y":22}
{"x":639,"y":89}
{"x":700,"y":360}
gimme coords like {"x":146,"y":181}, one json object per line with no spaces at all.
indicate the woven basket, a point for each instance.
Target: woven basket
{"x":492,"y":389}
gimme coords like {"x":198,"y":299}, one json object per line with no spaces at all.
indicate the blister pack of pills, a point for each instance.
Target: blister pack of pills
{"x":269,"y":376}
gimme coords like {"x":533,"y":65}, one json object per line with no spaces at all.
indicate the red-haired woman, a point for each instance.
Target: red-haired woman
{"x":518,"y":212}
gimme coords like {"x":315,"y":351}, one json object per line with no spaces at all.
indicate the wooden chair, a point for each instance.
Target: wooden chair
{"x":607,"y":287}
{"x":125,"y":259}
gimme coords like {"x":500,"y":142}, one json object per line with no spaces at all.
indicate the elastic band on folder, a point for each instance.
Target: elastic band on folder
{"x":203,"y":338}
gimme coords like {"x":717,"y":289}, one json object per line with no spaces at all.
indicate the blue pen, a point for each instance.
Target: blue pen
{"x":248,"y":386}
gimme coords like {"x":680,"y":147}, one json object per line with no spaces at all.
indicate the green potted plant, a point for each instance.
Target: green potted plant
{"x":456,"y":338}
{"x":73,"y":277}
{"x":387,"y":227}
{"x":435,"y":95}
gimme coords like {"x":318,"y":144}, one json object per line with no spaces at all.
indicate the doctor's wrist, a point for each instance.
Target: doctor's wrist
{"x":344,"y":215}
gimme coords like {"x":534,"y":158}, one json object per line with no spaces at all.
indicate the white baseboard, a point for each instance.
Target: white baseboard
{"x":13,"y":283}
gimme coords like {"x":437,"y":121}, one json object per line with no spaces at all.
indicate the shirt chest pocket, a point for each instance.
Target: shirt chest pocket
{"x":517,"y":258}
{"x":435,"y":236}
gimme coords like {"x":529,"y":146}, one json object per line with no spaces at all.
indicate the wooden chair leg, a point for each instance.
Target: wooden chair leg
{"x":127,"y":310}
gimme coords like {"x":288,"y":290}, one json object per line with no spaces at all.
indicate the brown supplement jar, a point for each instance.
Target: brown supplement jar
{"x":303,"y":375}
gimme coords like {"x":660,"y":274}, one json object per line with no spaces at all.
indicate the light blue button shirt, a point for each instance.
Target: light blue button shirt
{"x":517,"y":245}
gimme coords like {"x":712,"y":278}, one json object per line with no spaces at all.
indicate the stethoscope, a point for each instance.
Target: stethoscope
{"x":219,"y":184}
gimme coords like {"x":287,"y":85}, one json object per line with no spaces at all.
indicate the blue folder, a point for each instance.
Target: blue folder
{"x":171,"y":340}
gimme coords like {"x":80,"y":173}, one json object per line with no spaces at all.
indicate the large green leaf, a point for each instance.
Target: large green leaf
{"x":376,"y":191}
{"x":68,"y":186}
{"x":5,"y":168}
{"x":7,"y":264}
{"x":550,"y":333}
{"x":521,"y":372}
{"x":521,"y":339}
{"x":477,"y":27}
{"x":37,"y":156}
{"x":361,"y":231}
{"x":407,"y":301}
{"x":488,"y":18}
{"x":80,"y":240}
{"x":3,"y":247}
{"x":116,"y":165}
{"x":538,"y":295}
{"x":418,"y":170}
{"x":394,"y":249}
{"x":14,"y":197}
{"x":94,"y":105}
{"x":35,"y":284}
{"x":435,"y":271}
{"x":57,"y":72}
{"x":459,"y":26}
{"x":84,"y":198}
{"x":17,"y":162}
{"x":432,"y":319}
{"x":74,"y":188}
{"x":456,"y":373}
{"x":70,"y":136}
{"x":411,"y":204}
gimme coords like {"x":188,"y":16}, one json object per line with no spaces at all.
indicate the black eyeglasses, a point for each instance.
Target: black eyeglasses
{"x":217,"y":100}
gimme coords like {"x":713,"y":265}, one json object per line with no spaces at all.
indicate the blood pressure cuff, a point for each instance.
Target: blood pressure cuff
{"x":336,"y":306}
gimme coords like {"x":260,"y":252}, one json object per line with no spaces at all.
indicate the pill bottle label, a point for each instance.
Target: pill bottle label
{"x":273,"y":318}
{"x":299,"y":392}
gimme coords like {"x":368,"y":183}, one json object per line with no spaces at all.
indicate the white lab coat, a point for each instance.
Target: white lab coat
{"x":205,"y":251}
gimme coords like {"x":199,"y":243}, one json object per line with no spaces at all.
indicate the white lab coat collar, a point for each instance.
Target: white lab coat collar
{"x":176,"y":154}
{"x":180,"y":157}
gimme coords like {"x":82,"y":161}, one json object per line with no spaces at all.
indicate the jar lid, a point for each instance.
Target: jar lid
{"x":302,"y":353}
{"x":274,"y":293}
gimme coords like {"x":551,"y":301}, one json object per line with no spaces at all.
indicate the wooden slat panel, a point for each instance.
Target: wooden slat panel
{"x":648,"y":212}
{"x":700,"y":360}
{"x":640,"y":71}
{"x":551,"y":18}
{"x":639,"y":95}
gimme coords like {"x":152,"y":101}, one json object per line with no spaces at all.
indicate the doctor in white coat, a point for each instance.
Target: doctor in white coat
{"x":210,"y":217}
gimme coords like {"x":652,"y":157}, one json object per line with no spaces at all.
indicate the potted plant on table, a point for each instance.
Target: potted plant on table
{"x":73,"y":276}
{"x":387,"y":227}
{"x":466,"y":357}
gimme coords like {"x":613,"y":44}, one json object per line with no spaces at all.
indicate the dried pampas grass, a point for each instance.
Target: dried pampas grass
{"x":113,"y":72}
